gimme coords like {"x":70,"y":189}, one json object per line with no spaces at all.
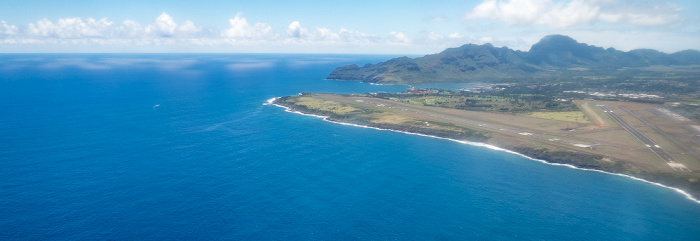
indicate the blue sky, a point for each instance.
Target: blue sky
{"x":390,"y":27}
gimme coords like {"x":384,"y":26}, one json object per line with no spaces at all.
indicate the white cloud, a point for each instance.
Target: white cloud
{"x":569,"y":13}
{"x":455,"y":36}
{"x":165,"y":34}
{"x":435,"y":36}
{"x":70,"y":28}
{"x":188,"y":28}
{"x":639,"y":19}
{"x":398,"y":38}
{"x":7,"y":29}
{"x":130,"y":29}
{"x":164,"y":26}
{"x":485,"y":39}
{"x":354,"y":36}
{"x":295,"y":30}
{"x":239,"y":28}
{"x":103,"y":31}
{"x":325,"y":35}
{"x":437,"y":19}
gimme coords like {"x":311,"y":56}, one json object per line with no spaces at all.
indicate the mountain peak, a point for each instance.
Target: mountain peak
{"x":556,"y":43}
{"x":552,"y":56}
{"x":558,"y":38}
{"x":561,"y":50}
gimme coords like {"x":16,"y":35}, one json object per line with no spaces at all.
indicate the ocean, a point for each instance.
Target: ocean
{"x":182,"y":146}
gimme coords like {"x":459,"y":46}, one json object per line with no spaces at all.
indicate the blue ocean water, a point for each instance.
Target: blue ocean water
{"x":153,"y":147}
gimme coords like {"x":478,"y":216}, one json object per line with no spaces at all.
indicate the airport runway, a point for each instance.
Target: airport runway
{"x":667,"y":158}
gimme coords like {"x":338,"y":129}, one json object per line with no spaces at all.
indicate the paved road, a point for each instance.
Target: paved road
{"x":667,"y":158}
{"x":670,"y":138}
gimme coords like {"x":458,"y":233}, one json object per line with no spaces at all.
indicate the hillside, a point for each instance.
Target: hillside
{"x":554,"y":56}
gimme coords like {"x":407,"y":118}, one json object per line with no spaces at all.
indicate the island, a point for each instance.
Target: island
{"x":596,"y":112}
{"x":555,"y":58}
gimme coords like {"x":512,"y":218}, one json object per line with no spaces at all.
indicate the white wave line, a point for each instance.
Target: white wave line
{"x":489,"y":146}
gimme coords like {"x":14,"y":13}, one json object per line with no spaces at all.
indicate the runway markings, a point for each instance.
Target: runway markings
{"x":656,"y":149}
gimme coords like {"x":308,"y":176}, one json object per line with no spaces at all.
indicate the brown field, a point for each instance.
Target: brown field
{"x":570,"y":116}
{"x":603,"y":134}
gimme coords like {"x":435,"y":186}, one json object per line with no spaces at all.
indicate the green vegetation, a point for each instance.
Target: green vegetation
{"x":497,"y":102}
{"x":325,"y":106}
{"x":557,"y":67}
{"x":581,"y":160}
{"x":689,"y":107}
{"x":555,"y":57}
{"x":570,"y":116}
{"x":529,"y":102}
{"x":377,"y":117}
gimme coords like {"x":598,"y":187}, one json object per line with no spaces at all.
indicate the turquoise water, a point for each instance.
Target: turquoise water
{"x":182,"y":147}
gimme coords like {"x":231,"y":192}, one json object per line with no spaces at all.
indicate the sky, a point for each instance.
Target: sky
{"x":353,"y":27}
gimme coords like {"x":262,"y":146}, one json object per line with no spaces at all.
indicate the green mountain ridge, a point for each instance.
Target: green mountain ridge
{"x":554,"y":56}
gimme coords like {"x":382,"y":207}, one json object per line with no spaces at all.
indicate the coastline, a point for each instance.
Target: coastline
{"x":686,"y":194}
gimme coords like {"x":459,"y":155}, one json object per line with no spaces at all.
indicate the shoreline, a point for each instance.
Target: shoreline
{"x":489,"y":146}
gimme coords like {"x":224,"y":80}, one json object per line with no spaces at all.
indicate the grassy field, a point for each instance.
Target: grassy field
{"x":497,"y":104}
{"x":388,"y":118}
{"x":359,"y":112}
{"x":325,"y":105}
{"x":570,"y":116}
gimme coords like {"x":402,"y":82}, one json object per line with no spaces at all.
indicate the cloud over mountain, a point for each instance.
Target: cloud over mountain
{"x":570,"y":13}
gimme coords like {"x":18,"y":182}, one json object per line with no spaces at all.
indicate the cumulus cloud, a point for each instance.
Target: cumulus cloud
{"x":188,"y":28}
{"x":454,"y":36}
{"x":572,"y":13}
{"x":435,"y":36}
{"x":399,"y":38}
{"x":325,"y":35}
{"x":69,"y":28}
{"x":295,"y":30}
{"x":90,"y":29}
{"x":7,"y":29}
{"x":239,"y":28}
{"x":165,"y":32}
{"x":639,"y":19}
{"x":164,"y":26}
{"x":354,"y":36}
